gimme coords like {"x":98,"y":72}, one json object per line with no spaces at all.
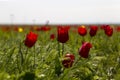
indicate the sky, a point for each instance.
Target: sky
{"x":59,"y":11}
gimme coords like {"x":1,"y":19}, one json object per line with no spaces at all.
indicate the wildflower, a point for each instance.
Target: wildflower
{"x":84,"y":50}
{"x":93,"y":30}
{"x":82,"y":31}
{"x":52,"y":36}
{"x":31,"y":39}
{"x":68,"y":60}
{"x":63,"y":36}
{"x":108,"y":30}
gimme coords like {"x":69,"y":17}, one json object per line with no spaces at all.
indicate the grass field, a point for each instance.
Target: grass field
{"x":43,"y":61}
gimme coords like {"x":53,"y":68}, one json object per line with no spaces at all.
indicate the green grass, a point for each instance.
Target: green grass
{"x":17,"y":61}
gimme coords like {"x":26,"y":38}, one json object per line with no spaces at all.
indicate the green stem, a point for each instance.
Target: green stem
{"x":62,"y":49}
{"x":21,"y":58}
{"x":26,"y":58}
{"x":59,"y":49}
{"x":83,"y":39}
{"x":21,"y":55}
{"x":26,"y":53}
{"x":34,"y":58}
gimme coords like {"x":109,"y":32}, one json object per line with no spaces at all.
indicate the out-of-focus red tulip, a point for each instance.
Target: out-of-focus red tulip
{"x":102,"y":26}
{"x":67,"y":27}
{"x":15,"y":28}
{"x":31,"y":39}
{"x":62,"y":35}
{"x":45,"y":28}
{"x":108,"y":30}
{"x":68,"y":60}
{"x":6,"y":28}
{"x":32,"y":28}
{"x":82,"y":30}
{"x":84,"y":50}
{"x":38,"y":29}
{"x":52,"y":36}
{"x":93,"y":30}
{"x":118,"y":29}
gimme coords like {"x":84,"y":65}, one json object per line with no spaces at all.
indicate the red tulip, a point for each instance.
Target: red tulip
{"x":38,"y":29}
{"x":68,"y":60}
{"x":6,"y":28}
{"x":84,"y":50}
{"x":118,"y":29}
{"x":93,"y":30}
{"x":102,"y":27}
{"x":31,"y":39}
{"x":108,"y":30}
{"x":82,"y":30}
{"x":63,"y":36}
{"x":32,"y":28}
{"x":52,"y":36}
{"x":45,"y":28}
{"x":67,"y":27}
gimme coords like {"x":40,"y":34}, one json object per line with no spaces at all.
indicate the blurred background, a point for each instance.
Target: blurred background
{"x":59,"y":11}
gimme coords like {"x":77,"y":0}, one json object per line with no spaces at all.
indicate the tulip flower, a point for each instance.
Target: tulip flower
{"x":108,"y":30}
{"x":118,"y":29}
{"x":84,"y":50}
{"x":68,"y":60}
{"x":103,"y":27}
{"x":93,"y":30}
{"x":63,"y":36}
{"x":82,"y":30}
{"x":45,"y":28}
{"x":38,"y":29}
{"x":31,"y":39}
{"x":52,"y":36}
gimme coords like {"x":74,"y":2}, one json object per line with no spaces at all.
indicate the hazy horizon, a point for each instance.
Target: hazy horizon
{"x":59,"y":11}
